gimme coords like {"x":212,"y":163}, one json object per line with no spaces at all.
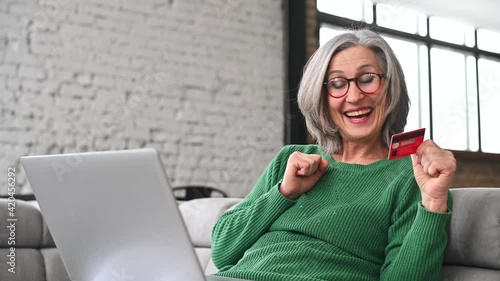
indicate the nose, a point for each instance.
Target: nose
{"x":354,"y":94}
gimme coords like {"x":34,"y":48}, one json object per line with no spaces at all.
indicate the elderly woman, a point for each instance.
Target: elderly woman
{"x":340,"y":210}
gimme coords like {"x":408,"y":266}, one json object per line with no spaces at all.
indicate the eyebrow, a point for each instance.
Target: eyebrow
{"x":359,"y":68}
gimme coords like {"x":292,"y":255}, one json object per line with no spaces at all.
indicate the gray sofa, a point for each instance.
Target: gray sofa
{"x":473,"y":251}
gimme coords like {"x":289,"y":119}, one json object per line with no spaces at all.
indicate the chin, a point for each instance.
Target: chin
{"x":360,"y":134}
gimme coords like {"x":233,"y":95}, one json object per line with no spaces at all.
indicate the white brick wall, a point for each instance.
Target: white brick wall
{"x":200,"y":80}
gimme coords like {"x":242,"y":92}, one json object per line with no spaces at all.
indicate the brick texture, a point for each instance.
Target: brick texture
{"x":200,"y":80}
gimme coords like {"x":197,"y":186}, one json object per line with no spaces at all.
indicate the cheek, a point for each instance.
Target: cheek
{"x":334,"y":104}
{"x":334,"y":107}
{"x":381,"y":101}
{"x":381,"y":112}
{"x":381,"y":104}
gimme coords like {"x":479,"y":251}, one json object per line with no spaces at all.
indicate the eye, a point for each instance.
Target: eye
{"x":367,"y":78}
{"x":338,"y":83}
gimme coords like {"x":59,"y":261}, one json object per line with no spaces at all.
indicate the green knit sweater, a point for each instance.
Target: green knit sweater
{"x":359,"y":222}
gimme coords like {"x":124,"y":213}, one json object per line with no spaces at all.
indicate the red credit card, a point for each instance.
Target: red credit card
{"x":404,"y":144}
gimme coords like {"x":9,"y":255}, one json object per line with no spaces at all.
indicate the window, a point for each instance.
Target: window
{"x":488,"y":40}
{"x":451,"y":31}
{"x":452,"y":70}
{"x":449,"y":98}
{"x":353,"y":9}
{"x":326,"y":32}
{"x":399,"y":18}
{"x":409,"y":55}
{"x":489,"y":87}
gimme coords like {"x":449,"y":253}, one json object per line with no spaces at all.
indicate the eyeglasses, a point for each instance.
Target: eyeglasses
{"x":367,"y":83}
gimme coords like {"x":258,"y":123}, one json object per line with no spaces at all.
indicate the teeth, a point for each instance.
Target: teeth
{"x":358,"y":113}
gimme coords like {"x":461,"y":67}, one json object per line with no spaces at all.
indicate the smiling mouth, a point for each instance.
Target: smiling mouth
{"x":359,"y":114}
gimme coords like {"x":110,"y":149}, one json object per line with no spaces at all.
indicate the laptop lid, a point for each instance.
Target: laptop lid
{"x":113,"y":216}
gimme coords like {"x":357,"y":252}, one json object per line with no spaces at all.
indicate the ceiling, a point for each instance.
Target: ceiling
{"x":478,"y":13}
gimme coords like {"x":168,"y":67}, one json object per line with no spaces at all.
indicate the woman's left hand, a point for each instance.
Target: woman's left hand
{"x":434,"y":169}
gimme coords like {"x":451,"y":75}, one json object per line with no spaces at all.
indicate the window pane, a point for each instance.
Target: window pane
{"x":470,"y":37}
{"x":425,"y":111}
{"x":407,"y":54}
{"x":422,"y":25}
{"x":489,"y":98}
{"x":327,"y":32}
{"x":472,"y":113}
{"x":347,"y":9}
{"x":449,"y":31}
{"x":396,"y":17}
{"x":449,"y":108}
{"x":488,"y":40}
{"x":368,"y":13}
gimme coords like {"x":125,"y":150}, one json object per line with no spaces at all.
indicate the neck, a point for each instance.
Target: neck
{"x":362,"y":152}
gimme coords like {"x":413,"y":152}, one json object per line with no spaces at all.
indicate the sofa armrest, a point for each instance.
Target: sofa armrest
{"x":474,"y":238}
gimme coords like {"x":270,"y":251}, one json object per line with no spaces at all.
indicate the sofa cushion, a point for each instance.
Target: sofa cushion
{"x":29,"y":265}
{"x":203,"y":256}
{"x":47,"y":240}
{"x":474,"y":238}
{"x":464,"y":273}
{"x":200,"y":216}
{"x":28,"y":228}
{"x":210,"y":268}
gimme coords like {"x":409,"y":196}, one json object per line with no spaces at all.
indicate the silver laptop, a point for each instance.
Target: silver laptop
{"x":113,"y":216}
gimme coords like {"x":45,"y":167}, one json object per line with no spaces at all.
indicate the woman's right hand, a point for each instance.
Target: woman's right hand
{"x":302,"y":172}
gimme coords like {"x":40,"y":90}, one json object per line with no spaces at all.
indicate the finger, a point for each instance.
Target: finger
{"x":309,"y":164}
{"x":415,"y":160}
{"x":303,"y":166}
{"x":442,"y":166}
{"x":424,"y":162}
{"x":417,"y":167}
{"x":431,"y":165}
{"x":425,"y":147}
{"x":436,"y":160}
{"x":323,"y":166}
{"x":293,"y":164}
{"x":433,"y":170}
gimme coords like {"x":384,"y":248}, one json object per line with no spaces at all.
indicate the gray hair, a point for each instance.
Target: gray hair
{"x":313,"y":97}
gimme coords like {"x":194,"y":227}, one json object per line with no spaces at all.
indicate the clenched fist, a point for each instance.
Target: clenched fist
{"x":434,"y":169}
{"x":302,"y":172}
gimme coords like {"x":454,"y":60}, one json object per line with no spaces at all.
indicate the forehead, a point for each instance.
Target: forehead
{"x":352,"y":58}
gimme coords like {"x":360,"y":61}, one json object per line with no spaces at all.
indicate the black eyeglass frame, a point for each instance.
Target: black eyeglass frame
{"x":355,"y":79}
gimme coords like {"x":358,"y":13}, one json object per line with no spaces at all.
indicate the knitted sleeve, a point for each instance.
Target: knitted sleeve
{"x":417,"y":238}
{"x":238,"y":229}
